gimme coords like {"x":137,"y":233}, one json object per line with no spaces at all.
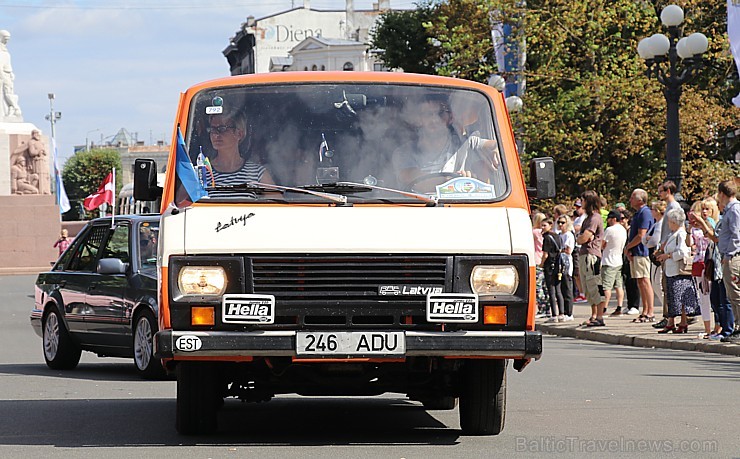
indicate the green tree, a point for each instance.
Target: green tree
{"x":588,"y":102}
{"x":85,"y":171}
{"x":404,"y":40}
{"x":461,"y":33}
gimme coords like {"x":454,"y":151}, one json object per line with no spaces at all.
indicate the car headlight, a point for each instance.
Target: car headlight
{"x":202,"y":280}
{"x":488,"y":280}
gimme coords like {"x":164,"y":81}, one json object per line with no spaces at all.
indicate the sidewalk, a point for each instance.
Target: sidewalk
{"x":621,"y":330}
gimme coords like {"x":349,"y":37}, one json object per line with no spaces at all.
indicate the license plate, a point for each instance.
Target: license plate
{"x":350,"y":344}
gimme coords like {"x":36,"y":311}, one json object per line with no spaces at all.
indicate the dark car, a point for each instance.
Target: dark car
{"x":101,"y":295}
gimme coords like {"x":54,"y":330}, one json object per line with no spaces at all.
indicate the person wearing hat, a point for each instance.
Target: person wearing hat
{"x":615,"y":238}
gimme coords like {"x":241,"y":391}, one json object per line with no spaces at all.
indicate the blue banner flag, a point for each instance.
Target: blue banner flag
{"x":62,"y":199}
{"x":186,"y":172}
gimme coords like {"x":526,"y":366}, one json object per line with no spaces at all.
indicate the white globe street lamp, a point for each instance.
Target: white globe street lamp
{"x":673,"y":60}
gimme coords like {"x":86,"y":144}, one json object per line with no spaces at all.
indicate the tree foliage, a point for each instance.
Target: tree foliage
{"x":404,"y":40}
{"x":85,"y":171}
{"x":588,"y":102}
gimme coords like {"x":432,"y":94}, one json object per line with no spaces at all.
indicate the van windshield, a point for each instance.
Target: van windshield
{"x":334,"y":138}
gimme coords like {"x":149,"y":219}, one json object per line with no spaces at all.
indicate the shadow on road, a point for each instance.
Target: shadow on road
{"x":290,"y":421}
{"x":123,"y":371}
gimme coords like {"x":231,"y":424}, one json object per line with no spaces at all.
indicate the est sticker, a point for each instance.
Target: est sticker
{"x":188,"y":343}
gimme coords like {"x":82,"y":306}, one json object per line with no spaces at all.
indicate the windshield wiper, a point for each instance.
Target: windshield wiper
{"x":267,"y":187}
{"x":430,"y":200}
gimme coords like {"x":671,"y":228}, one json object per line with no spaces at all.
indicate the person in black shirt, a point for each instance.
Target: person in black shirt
{"x":551,"y":248}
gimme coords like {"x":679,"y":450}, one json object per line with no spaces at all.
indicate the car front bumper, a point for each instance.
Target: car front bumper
{"x":220,"y":344}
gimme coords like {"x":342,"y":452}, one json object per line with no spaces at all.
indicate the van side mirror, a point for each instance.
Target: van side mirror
{"x":145,"y":180}
{"x":541,"y":178}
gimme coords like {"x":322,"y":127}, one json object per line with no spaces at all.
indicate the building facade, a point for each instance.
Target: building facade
{"x":265,"y":44}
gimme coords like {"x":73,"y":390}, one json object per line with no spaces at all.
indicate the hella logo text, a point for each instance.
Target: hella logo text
{"x":248,"y":309}
{"x":452,"y":307}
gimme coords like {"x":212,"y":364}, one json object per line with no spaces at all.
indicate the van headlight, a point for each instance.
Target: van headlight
{"x":488,"y":280}
{"x":202,"y":280}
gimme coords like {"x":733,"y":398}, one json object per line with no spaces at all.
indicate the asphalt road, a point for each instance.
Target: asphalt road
{"x":582,"y":399}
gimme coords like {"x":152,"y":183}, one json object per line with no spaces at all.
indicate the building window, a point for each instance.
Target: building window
{"x":323,"y":68}
{"x":314,"y":68}
{"x":305,"y":69}
{"x":348,"y":67}
{"x":378,"y":67}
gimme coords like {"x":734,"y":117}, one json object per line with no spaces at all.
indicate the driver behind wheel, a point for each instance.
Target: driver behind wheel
{"x":437,"y":149}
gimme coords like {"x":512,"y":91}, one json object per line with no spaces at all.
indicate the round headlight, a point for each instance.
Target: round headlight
{"x":202,"y":280}
{"x":490,"y":280}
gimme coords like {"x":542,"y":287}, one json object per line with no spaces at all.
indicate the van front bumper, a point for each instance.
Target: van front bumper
{"x":220,"y":344}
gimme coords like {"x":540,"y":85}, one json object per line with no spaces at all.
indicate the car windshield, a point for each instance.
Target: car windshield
{"x":148,"y":238}
{"x":367,"y":142}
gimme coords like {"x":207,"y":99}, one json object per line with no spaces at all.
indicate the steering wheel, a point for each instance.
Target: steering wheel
{"x":445,"y":175}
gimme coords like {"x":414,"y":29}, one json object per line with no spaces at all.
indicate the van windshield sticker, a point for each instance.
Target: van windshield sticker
{"x":234,"y":220}
{"x":465,"y":188}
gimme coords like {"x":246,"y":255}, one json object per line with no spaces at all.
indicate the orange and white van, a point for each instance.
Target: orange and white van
{"x":382,"y":245}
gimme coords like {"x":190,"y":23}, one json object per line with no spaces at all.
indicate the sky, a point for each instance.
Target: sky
{"x":115,"y":64}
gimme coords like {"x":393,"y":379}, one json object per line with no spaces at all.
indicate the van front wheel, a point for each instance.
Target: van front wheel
{"x":483,"y":397}
{"x":197,"y":399}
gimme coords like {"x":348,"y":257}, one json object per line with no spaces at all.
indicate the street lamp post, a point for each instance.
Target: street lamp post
{"x":87,"y":142}
{"x":673,"y":61}
{"x":52,"y":118}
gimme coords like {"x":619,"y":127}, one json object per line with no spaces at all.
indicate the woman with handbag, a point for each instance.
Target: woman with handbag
{"x":724,"y":320}
{"x":681,"y":294}
{"x":699,"y":242}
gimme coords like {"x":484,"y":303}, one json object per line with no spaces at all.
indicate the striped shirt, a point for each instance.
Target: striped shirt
{"x":249,"y":172}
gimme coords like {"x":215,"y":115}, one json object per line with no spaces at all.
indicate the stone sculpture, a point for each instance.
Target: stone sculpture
{"x":9,"y":101}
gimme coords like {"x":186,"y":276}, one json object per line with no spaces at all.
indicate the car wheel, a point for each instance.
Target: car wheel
{"x":60,"y":351}
{"x":198,"y":399}
{"x":148,"y":366}
{"x":483,"y":399}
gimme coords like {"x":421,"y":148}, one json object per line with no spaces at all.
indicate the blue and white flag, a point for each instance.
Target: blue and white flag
{"x":62,"y":199}
{"x":186,"y":172}
{"x":733,"y":33}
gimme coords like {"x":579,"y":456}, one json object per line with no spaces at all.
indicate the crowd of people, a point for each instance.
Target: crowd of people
{"x":658,"y":255}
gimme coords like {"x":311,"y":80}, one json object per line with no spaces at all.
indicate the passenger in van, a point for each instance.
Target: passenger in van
{"x":231,"y":164}
{"x":438,"y":148}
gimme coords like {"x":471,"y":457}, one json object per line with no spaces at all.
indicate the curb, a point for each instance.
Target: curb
{"x":604,"y":335}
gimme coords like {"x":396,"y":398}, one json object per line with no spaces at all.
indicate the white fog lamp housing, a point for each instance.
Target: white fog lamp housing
{"x":202,"y":280}
{"x":491,"y":280}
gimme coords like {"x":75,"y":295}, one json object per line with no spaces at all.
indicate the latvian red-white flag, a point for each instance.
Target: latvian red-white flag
{"x":103,"y":195}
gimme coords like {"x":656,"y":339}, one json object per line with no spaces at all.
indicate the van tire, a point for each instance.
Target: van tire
{"x":443,"y":403}
{"x":197,"y":398}
{"x":483,"y":397}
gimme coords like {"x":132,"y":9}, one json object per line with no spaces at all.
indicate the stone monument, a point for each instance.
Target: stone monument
{"x":29,"y":217}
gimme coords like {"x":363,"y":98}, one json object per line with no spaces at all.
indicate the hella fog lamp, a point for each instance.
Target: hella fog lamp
{"x":489,"y":280}
{"x":202,"y":280}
